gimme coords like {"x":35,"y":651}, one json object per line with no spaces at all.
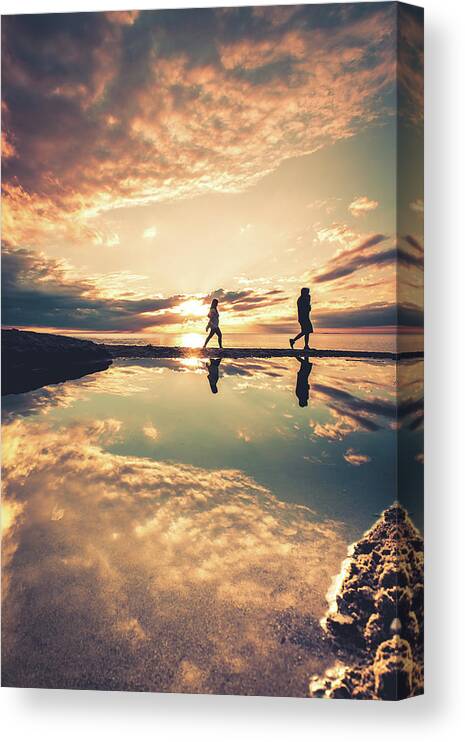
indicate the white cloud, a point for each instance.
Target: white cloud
{"x":150,"y":233}
{"x":338,"y":233}
{"x":112,"y":240}
{"x":151,"y":432}
{"x":417,"y":205}
{"x":361,"y":205}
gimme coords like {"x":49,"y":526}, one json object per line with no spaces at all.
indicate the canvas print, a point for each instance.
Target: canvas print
{"x":212,"y":351}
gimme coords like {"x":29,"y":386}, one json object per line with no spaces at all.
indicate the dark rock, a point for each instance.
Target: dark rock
{"x":379,"y":609}
{"x":393,"y":669}
{"x":344,"y":629}
{"x":340,"y":690}
{"x":34,"y":359}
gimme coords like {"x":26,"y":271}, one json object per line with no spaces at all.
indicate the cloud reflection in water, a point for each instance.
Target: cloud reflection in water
{"x":154,"y":576}
{"x":127,"y":563}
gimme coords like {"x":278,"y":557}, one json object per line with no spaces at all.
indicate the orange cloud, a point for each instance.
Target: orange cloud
{"x":361,"y":205}
{"x":356,"y":459}
{"x":170,"y":121}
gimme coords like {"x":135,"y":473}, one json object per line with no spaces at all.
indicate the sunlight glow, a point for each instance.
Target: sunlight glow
{"x":192,"y":340}
{"x":193,"y":363}
{"x":193,"y":308}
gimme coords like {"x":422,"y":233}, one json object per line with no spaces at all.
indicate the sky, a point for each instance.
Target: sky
{"x":153,"y":160}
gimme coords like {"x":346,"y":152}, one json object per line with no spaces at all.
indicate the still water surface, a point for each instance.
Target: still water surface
{"x":175,"y":524}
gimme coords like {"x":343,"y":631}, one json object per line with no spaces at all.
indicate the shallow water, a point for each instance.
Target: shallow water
{"x":175,"y":524}
{"x":320,"y":340}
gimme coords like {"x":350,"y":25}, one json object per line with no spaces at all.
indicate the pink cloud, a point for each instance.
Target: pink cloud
{"x":109,"y":133}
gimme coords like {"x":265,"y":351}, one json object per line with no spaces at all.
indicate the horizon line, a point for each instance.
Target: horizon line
{"x":381,"y":330}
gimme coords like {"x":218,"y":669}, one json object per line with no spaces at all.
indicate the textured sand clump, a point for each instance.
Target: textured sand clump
{"x":376,"y":613}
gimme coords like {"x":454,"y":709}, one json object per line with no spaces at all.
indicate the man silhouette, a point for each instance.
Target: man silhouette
{"x":304,"y":308}
{"x":302,"y":387}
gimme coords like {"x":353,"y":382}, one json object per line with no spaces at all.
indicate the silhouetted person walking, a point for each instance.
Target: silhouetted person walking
{"x":214,"y":324}
{"x":302,"y":387}
{"x":304,"y":307}
{"x":214,"y":374}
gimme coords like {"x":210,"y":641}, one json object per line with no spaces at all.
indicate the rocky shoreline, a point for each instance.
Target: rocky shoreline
{"x":376,"y":609}
{"x":165,"y":351}
{"x":34,"y":359}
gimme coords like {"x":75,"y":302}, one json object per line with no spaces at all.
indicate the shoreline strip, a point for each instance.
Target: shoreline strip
{"x":163,"y":351}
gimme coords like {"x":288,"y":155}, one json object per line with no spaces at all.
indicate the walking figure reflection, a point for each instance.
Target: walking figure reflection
{"x":213,"y":367}
{"x":302,"y":387}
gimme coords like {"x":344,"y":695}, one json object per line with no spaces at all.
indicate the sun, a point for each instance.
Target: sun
{"x":192,"y":340}
{"x":193,"y":308}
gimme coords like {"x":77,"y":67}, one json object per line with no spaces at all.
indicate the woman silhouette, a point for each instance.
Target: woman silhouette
{"x":213,"y":371}
{"x":304,"y":307}
{"x":214,"y":324}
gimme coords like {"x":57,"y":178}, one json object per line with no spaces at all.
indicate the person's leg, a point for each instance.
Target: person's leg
{"x":307,"y":338}
{"x":293,"y":340}
{"x":220,"y":337}
{"x":210,"y":335}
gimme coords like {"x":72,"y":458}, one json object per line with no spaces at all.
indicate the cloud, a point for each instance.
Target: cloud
{"x":150,"y":233}
{"x":338,"y":233}
{"x":106,"y":110}
{"x":151,"y":432}
{"x":38,"y":291}
{"x":415,"y":244}
{"x":247,"y":300}
{"x":42,"y":292}
{"x":325,"y":204}
{"x":349,"y":260}
{"x":367,"y":410}
{"x":410,"y":67}
{"x":417,"y":205}
{"x":156,"y":576}
{"x":366,"y":401}
{"x":366,"y":255}
{"x":375,"y":315}
{"x":352,"y":411}
{"x":362,"y":205}
{"x":356,"y":459}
